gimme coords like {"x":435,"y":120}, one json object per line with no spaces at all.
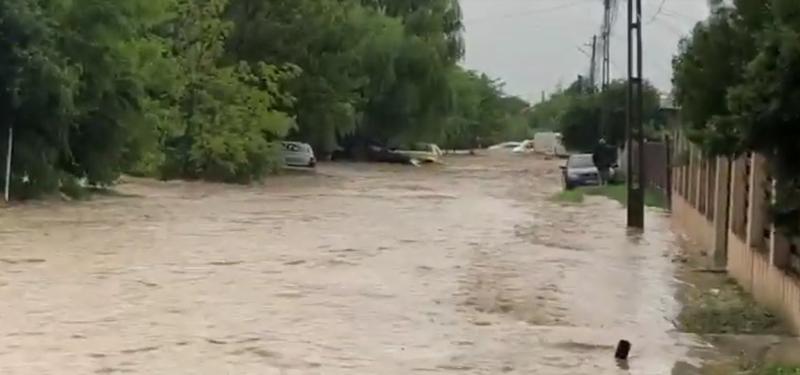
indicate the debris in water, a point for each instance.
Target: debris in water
{"x":623,"y":349}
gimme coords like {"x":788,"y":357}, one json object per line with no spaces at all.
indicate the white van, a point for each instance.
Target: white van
{"x":549,"y":143}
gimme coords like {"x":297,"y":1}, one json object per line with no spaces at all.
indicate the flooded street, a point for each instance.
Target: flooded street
{"x":467,"y":268}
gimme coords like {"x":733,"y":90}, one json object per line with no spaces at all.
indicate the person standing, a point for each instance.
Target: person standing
{"x":603,"y":161}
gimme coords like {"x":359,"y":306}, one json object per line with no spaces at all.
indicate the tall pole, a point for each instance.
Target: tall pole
{"x":593,"y":64}
{"x":633,"y":132}
{"x":7,"y":189}
{"x":605,"y":70}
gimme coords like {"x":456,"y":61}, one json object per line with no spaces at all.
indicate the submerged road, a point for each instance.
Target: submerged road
{"x":466,"y":268}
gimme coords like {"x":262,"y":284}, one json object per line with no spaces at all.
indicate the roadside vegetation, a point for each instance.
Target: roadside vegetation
{"x":715,"y":304}
{"x":203,"y":89}
{"x":578,"y":113}
{"x":617,"y":192}
{"x":748,"y":367}
{"x":716,"y":307}
{"x":736,"y":81}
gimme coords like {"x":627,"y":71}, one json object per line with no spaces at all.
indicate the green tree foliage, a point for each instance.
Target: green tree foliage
{"x":346,"y":53}
{"x":416,"y":105}
{"x":203,"y":89}
{"x":481,"y":113}
{"x":38,"y":96}
{"x":578,"y":114}
{"x":228,"y":109}
{"x":756,"y":106}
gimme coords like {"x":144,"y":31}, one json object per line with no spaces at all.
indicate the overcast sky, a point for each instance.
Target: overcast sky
{"x":533,"y":45}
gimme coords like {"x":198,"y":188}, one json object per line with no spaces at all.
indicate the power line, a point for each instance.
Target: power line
{"x":529,"y":12}
{"x":658,"y":12}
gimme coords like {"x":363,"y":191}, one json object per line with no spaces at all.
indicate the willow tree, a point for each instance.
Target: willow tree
{"x":345,"y":53}
{"x":229,"y":109}
{"x":39,"y":85}
{"x":418,"y":104}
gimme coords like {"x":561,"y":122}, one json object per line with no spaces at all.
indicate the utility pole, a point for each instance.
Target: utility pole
{"x":7,"y":189}
{"x":593,"y":65}
{"x":606,"y":40}
{"x":605,"y":70}
{"x":634,"y":133}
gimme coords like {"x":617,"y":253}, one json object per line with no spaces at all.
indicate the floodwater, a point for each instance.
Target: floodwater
{"x":467,"y":268}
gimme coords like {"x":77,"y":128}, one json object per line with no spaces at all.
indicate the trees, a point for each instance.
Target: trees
{"x":480,"y":111}
{"x":757,"y":89}
{"x":578,"y":114}
{"x":229,"y":110}
{"x":203,"y":89}
{"x":39,"y":87}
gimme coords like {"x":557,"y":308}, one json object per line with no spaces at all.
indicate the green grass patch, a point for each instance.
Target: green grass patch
{"x":714,"y":303}
{"x":569,"y":196}
{"x":780,"y":370}
{"x":744,"y":366}
{"x":618,"y":193}
{"x":722,"y":307}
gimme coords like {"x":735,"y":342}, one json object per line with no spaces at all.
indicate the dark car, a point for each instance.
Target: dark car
{"x":580,"y":171}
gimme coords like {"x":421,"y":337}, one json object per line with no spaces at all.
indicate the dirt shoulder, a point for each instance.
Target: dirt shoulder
{"x":725,"y":315}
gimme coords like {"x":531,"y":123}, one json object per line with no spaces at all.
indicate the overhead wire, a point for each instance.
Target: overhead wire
{"x":658,"y":12}
{"x":529,"y":12}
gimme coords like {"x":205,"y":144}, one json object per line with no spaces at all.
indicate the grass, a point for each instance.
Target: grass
{"x":744,"y":366}
{"x":618,"y":193}
{"x":716,"y":307}
{"x":780,"y":370}
{"x":716,"y":304}
{"x":569,"y":196}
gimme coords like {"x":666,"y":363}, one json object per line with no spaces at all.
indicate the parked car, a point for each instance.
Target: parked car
{"x":505,"y":146}
{"x":580,"y":171}
{"x":524,"y":147}
{"x":423,"y":152}
{"x":298,"y":154}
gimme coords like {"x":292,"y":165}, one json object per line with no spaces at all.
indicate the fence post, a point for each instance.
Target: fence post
{"x":668,"y":156}
{"x":757,"y":208}
{"x":722,"y":183}
{"x":738,"y":210}
{"x":780,"y":252}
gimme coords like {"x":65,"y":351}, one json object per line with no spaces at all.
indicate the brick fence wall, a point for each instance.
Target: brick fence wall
{"x":723,"y":205}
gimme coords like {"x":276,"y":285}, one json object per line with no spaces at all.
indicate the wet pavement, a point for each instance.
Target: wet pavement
{"x":466,"y":268}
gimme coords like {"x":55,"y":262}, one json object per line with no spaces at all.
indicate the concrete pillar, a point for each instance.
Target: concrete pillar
{"x":737,"y":210}
{"x":722,"y":184}
{"x":693,"y":176}
{"x":779,"y":254}
{"x":757,"y":208}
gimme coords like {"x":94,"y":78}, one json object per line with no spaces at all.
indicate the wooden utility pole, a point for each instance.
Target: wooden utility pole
{"x":593,"y":64}
{"x":605,"y":70}
{"x":634,"y":133}
{"x":7,"y":186}
{"x":606,"y":40}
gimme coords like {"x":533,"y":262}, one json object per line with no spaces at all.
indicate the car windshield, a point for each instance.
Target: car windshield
{"x":580,"y":161}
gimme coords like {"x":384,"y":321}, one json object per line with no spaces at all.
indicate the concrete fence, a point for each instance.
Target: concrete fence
{"x":723,"y":206}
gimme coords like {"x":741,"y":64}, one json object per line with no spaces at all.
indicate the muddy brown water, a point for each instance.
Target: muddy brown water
{"x":467,"y":268}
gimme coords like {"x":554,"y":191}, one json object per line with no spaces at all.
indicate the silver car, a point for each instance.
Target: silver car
{"x":298,"y":154}
{"x":580,"y":171}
